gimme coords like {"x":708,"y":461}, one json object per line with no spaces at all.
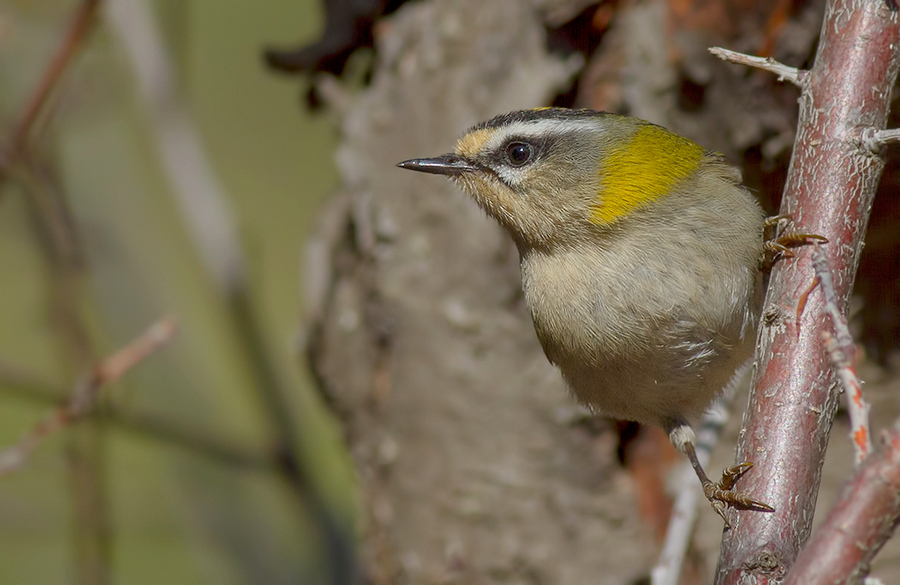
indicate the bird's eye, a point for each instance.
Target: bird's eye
{"x":518,"y":153}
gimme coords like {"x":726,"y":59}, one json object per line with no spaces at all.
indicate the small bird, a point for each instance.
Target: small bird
{"x":640,"y":258}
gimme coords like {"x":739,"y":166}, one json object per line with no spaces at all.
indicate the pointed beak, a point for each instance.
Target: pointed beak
{"x":448,"y":164}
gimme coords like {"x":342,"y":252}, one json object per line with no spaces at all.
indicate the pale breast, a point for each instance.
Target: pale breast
{"x":651,"y":324}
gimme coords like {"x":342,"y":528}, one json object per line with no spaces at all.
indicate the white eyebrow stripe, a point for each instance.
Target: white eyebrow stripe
{"x":535,"y":129}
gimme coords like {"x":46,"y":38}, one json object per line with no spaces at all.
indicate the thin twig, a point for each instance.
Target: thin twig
{"x":784,"y":72}
{"x":875,"y":140}
{"x":842,"y":351}
{"x":78,"y":28}
{"x":210,"y":221}
{"x":85,"y":393}
{"x":204,"y":205}
{"x":857,"y":407}
{"x":27,"y":386}
{"x":842,"y":334}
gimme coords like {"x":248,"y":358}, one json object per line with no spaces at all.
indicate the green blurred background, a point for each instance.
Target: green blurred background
{"x":175,"y":515}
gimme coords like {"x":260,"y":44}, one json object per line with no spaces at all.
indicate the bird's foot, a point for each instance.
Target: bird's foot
{"x":780,"y":246}
{"x":721,"y":496}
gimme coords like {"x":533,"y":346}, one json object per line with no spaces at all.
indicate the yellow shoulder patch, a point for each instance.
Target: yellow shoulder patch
{"x":641,"y":170}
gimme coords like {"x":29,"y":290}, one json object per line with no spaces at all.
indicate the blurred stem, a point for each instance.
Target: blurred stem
{"x":81,"y":23}
{"x":209,"y":220}
{"x":195,"y":441}
{"x":91,"y":530}
{"x":338,"y":541}
{"x":60,"y":250}
{"x":58,"y":245}
{"x":202,"y":202}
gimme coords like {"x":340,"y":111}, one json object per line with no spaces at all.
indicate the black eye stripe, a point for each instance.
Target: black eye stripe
{"x":518,"y":151}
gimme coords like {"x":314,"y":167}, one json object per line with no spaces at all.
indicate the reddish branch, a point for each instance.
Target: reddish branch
{"x":84,"y":396}
{"x":859,"y":523}
{"x":829,"y":191}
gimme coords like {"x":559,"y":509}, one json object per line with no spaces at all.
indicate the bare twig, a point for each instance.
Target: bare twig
{"x":205,"y":208}
{"x":784,"y":72}
{"x":26,"y":386}
{"x":875,"y":140}
{"x":842,"y":335}
{"x":210,"y":221}
{"x":842,"y":352}
{"x":81,"y":23}
{"x":84,"y":395}
{"x":857,"y":407}
{"x":61,"y":250}
{"x":860,"y":522}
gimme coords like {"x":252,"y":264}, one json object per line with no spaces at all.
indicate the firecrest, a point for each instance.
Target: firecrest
{"x":639,"y":256}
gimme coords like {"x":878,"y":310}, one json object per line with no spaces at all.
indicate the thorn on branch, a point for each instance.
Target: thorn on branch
{"x":784,"y":72}
{"x":803,"y":300}
{"x":84,"y":396}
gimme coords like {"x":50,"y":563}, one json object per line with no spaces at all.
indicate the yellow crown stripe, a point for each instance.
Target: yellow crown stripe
{"x":643,"y":170}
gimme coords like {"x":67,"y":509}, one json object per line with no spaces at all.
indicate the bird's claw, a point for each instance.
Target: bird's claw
{"x":721,"y":496}
{"x":776,"y":247}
